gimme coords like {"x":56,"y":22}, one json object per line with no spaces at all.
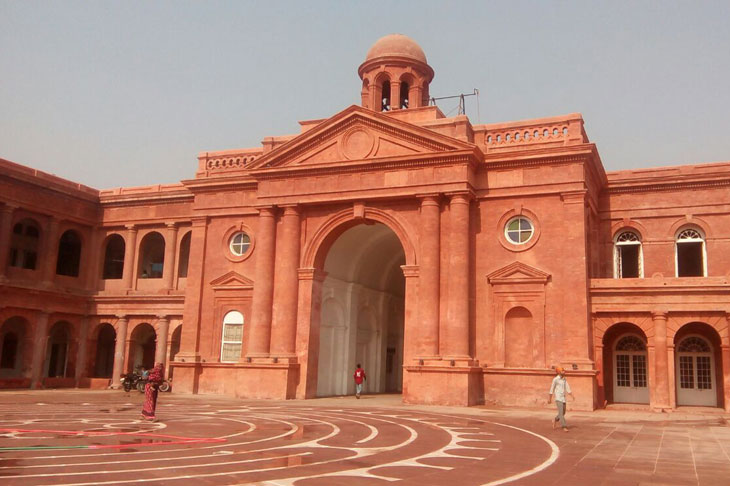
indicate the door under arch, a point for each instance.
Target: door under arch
{"x":695,"y":371}
{"x":630,"y":370}
{"x":362,"y":313}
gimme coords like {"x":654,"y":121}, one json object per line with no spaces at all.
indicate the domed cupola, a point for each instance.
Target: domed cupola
{"x":395,"y":75}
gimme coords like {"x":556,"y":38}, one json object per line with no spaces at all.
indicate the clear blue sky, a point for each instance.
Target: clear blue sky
{"x":127,"y":93}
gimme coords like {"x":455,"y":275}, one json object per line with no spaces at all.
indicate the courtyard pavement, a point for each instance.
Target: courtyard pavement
{"x":85,"y":438}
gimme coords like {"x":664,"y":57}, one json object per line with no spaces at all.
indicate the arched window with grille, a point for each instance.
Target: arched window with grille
{"x":690,"y":252}
{"x":232,"y":337}
{"x":628,"y":257}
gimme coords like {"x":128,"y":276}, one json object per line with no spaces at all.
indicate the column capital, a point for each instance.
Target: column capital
{"x":432,"y":199}
{"x":170,"y":224}
{"x":659,"y":314}
{"x":291,"y":209}
{"x":163,"y":317}
{"x":131,"y":227}
{"x":311,"y":274}
{"x":268,"y":208}
{"x":460,"y":196}
{"x":122,"y":317}
{"x":410,"y":271}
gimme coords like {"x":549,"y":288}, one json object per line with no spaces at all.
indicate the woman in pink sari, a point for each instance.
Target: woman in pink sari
{"x":154,"y":380}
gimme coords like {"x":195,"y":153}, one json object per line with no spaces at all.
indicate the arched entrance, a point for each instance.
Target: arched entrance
{"x":142,"y":347}
{"x":626,"y":364}
{"x":697,"y":362}
{"x":58,"y":346}
{"x":12,"y":338}
{"x":362,"y":313}
{"x":174,"y":348}
{"x":104,"y":360}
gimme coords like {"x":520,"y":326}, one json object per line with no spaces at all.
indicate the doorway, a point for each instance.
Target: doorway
{"x":362,"y":313}
{"x":695,"y":371}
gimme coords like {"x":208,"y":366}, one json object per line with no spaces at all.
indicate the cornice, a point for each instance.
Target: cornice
{"x":370,"y":165}
{"x":667,"y":186}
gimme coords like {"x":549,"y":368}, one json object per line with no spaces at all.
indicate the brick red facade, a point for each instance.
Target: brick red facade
{"x":389,"y":234}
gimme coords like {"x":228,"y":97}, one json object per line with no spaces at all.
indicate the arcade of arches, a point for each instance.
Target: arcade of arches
{"x":458,"y":262}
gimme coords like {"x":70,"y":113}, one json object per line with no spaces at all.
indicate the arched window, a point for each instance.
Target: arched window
{"x":404,"y":89}
{"x":628,"y":257}
{"x":232,"y":337}
{"x":151,"y":256}
{"x":114,"y":257}
{"x":24,"y":244}
{"x":184,"y":256}
{"x":385,"y":96}
{"x":182,"y":268}
{"x":690,"y":253}
{"x":69,"y":254}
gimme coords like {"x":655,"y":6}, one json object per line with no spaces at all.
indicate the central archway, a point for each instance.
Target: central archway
{"x":362,"y":315}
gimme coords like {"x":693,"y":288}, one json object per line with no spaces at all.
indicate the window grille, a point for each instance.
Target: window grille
{"x":686,"y":372}
{"x":232,"y":337}
{"x":630,"y":343}
{"x":694,"y":344}
{"x":622,"y":370}
{"x":639,"y":369}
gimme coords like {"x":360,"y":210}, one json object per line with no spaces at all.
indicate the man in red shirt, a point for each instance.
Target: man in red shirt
{"x":359,"y":379}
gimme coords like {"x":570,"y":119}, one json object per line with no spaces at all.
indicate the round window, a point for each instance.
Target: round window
{"x":240,"y":243}
{"x":519,"y":230}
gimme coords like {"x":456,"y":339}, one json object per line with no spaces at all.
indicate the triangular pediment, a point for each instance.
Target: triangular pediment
{"x":518,"y":272}
{"x":232,"y":280}
{"x":358,"y":134}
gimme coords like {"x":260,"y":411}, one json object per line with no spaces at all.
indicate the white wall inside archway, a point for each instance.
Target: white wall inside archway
{"x":362,"y":312}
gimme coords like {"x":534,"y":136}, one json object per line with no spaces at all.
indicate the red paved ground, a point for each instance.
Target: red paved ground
{"x":97,"y":438}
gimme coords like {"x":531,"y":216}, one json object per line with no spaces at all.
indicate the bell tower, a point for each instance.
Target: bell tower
{"x":395,"y":75}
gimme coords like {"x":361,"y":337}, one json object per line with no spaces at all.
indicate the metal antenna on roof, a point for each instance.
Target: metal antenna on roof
{"x":462,"y":101}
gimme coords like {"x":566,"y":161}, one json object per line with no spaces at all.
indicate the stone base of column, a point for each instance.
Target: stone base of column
{"x":283,"y":358}
{"x":580,"y":364}
{"x":184,"y":357}
{"x":243,"y":380}
{"x":443,"y":384}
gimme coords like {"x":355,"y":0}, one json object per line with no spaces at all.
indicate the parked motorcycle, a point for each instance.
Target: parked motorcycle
{"x":130,"y":380}
{"x":165,"y":386}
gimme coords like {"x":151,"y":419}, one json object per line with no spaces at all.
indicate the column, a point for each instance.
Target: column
{"x":454,"y":340}
{"x":726,"y":366}
{"x":263,"y":288}
{"x":427,"y":339}
{"x":168,"y":270}
{"x":286,"y":293}
{"x":130,"y":249}
{"x":49,"y":255}
{"x":6,"y":232}
{"x":163,"y":330}
{"x":119,"y":348}
{"x":193,"y":313}
{"x":81,"y":364}
{"x":39,"y":349}
{"x":395,"y":95}
{"x":91,"y":259}
{"x":411,"y":324}
{"x":661,"y":372}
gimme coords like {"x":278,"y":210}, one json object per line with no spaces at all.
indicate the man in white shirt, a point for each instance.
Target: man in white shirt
{"x":559,"y":388}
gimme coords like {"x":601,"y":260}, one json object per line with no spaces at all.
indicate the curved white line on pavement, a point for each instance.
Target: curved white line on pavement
{"x":555,"y":450}
{"x":547,"y":463}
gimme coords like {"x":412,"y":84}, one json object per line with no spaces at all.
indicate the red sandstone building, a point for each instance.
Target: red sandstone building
{"x":458,"y":263}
